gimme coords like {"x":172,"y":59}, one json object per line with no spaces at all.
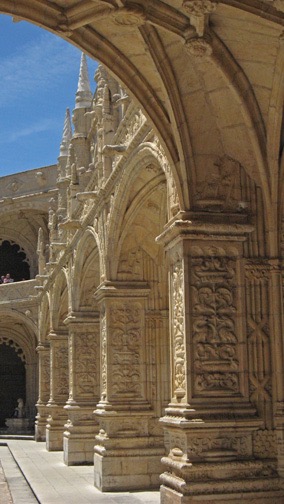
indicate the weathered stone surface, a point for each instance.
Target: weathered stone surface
{"x":155,"y":249}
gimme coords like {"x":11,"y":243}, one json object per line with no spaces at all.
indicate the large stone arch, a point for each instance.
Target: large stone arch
{"x":163,"y":31}
{"x":145,"y":156}
{"x":20,"y":333}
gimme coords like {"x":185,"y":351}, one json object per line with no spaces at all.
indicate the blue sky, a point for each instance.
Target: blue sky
{"x":39,"y":76}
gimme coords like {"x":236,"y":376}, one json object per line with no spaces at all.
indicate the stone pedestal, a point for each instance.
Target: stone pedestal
{"x":126,"y":454}
{"x":59,"y":388}
{"x":84,"y":363}
{"x":211,"y":426}
{"x":17,"y":425}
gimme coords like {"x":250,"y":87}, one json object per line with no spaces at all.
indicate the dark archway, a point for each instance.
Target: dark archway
{"x":13,"y":260}
{"x":12,"y":381}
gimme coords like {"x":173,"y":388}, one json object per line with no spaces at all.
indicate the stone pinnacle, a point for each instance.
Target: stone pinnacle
{"x":84,"y":95}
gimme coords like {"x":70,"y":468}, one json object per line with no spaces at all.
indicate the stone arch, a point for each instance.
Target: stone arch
{"x":86,"y":272}
{"x":146,"y":156}
{"x":139,"y":213}
{"x":13,"y":260}
{"x":21,"y":228}
{"x":18,"y":333}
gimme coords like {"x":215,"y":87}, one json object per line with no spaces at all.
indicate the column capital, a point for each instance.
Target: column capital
{"x":82,"y":318}
{"x":43,"y":346}
{"x":125,"y":290}
{"x":204,"y":226}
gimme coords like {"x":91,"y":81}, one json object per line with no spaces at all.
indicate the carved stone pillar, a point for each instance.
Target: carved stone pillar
{"x":84,"y":369}
{"x":126,"y":455}
{"x":59,"y":389}
{"x":44,"y":391}
{"x":210,"y":423}
{"x":276,"y":310}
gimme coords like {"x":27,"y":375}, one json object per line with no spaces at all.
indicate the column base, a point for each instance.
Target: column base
{"x":251,"y":482}
{"x":79,"y":436}
{"x":55,"y":428}
{"x":126,"y":455}
{"x":126,"y":472}
{"x":40,"y":423}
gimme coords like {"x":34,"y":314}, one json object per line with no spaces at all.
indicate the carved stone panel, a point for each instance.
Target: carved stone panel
{"x":59,"y":377}
{"x":213,"y":324}
{"x":126,"y":330}
{"x":85,"y":365}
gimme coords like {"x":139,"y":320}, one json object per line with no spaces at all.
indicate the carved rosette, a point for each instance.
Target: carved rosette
{"x":199,"y":47}
{"x":133,"y":15}
{"x":213,"y":316}
{"x":199,"y":11}
{"x":199,"y":7}
{"x":126,"y":351}
{"x":178,"y":327}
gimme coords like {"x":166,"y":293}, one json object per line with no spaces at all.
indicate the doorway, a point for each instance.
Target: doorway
{"x":12,"y":381}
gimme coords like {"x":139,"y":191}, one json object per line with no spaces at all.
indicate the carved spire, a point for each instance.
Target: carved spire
{"x":67,"y":134}
{"x":84,"y":94}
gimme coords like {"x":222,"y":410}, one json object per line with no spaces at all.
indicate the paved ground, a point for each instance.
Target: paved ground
{"x":50,"y":481}
{"x":5,"y":496}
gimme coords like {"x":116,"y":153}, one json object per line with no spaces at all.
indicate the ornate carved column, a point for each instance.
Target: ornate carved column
{"x":84,"y":369}
{"x":276,"y":322}
{"x":127,"y":455}
{"x":44,"y":391}
{"x":210,"y":423}
{"x":59,"y":389}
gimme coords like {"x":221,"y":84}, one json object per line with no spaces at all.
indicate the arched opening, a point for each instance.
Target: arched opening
{"x":12,"y":380}
{"x":13,"y":260}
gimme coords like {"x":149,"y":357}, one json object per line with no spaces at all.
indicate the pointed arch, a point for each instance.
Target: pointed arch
{"x":146,"y":155}
{"x":86,"y":271}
